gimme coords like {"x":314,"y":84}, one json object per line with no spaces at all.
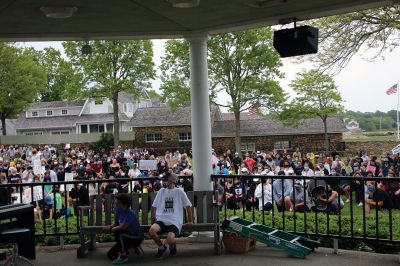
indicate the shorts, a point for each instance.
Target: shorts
{"x":167,"y":228}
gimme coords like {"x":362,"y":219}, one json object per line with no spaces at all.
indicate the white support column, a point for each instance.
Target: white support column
{"x":201,"y":122}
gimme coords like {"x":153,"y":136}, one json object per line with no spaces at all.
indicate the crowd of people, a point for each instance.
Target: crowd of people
{"x":27,"y":164}
{"x":298,"y":193}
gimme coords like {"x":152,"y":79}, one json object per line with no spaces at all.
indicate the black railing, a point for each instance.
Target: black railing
{"x":320,"y":218}
{"x":351,"y":222}
{"x":35,"y":194}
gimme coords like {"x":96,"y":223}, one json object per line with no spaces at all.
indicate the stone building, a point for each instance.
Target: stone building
{"x":163,"y":129}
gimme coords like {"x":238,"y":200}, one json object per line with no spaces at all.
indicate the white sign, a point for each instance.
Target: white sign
{"x":68,"y":177}
{"x":148,"y":165}
{"x":396,"y":149}
{"x":38,"y":169}
{"x":67,"y":146}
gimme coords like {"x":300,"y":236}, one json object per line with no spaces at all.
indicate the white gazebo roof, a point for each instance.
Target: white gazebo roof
{"x":22,"y":20}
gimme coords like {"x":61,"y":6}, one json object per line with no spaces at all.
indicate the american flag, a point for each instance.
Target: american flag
{"x":392,"y":90}
{"x":253,"y":110}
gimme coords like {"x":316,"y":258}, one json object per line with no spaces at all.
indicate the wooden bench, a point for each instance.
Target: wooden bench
{"x":99,"y":213}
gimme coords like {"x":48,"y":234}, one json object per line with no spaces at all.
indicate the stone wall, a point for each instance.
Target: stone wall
{"x":170,"y":138}
{"x":372,"y":147}
{"x":170,"y":135}
{"x":311,"y":142}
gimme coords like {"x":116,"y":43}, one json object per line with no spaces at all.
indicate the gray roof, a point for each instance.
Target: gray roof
{"x":250,"y":125}
{"x":243,"y":116}
{"x":45,"y":122}
{"x":101,"y":118}
{"x":265,"y":127}
{"x":161,"y":116}
{"x":56,"y":104}
{"x":124,"y":97}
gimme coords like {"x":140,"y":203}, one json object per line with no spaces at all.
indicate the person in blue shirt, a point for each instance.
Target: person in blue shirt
{"x":126,"y":229}
{"x":222,"y":170}
{"x":282,"y":197}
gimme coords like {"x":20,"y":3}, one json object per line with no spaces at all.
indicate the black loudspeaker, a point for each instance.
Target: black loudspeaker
{"x":296,"y":41}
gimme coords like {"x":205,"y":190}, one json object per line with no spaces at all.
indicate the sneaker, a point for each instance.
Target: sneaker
{"x":161,"y":251}
{"x":120,"y":260}
{"x":172,"y":250}
{"x":360,"y":204}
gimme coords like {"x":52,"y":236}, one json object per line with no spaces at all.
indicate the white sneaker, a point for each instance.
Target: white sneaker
{"x":360,"y":204}
{"x":348,"y":200}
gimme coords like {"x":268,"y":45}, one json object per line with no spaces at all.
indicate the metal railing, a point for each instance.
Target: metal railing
{"x":380,"y":225}
{"x":350,"y":222}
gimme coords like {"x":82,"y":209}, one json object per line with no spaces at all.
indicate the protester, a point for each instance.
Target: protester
{"x":168,"y":209}
{"x":126,"y":229}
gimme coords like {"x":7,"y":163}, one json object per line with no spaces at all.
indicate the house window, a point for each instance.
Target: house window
{"x":60,"y":132}
{"x":49,"y":112}
{"x":64,"y":112}
{"x":98,"y":101}
{"x":101,"y":128}
{"x":34,"y":114}
{"x":154,"y":137}
{"x":248,"y":147}
{"x":94,"y":128}
{"x":110,"y":127}
{"x":282,"y":145}
{"x":84,"y":129}
{"x":33,"y":133}
{"x":185,"y":136}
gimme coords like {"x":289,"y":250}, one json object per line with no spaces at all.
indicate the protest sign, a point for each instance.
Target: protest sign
{"x":148,"y":165}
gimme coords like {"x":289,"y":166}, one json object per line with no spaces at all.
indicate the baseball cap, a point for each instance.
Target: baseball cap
{"x":173,"y":177}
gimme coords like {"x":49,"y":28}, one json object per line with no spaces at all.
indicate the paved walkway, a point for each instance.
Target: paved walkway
{"x":202,"y":254}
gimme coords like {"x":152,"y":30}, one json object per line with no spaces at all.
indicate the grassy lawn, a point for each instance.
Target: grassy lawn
{"x":365,"y":138}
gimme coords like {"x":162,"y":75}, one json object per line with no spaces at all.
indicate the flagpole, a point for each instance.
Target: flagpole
{"x":398,"y":102}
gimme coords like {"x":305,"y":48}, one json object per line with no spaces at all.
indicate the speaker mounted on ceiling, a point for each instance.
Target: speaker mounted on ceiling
{"x":296,"y":41}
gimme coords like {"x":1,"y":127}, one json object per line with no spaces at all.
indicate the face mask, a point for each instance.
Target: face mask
{"x":306,"y":168}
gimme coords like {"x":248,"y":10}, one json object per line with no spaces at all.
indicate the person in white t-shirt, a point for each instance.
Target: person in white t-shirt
{"x":167,"y":208}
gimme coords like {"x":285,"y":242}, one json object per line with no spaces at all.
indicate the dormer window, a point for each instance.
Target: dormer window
{"x":128,"y":108}
{"x":49,"y":113}
{"x":64,"y":112}
{"x":34,"y":114}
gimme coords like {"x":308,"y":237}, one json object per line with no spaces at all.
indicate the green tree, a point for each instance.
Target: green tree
{"x":20,"y":81}
{"x":244,"y":65}
{"x":60,"y":74}
{"x":342,"y":36}
{"x":316,"y":96}
{"x":113,"y":66}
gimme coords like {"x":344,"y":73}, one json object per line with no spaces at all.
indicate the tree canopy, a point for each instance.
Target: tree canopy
{"x":342,"y":36}
{"x":21,"y":79}
{"x":60,"y":75}
{"x":113,"y":67}
{"x":244,"y":65}
{"x":316,"y":96}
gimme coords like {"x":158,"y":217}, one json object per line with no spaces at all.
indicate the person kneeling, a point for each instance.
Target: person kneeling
{"x":168,"y":208}
{"x":126,"y":230}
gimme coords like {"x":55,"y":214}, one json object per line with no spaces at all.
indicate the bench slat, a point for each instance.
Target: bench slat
{"x":209,"y":209}
{"x":152,"y":198}
{"x":135,"y":203}
{"x":99,"y":210}
{"x":145,"y":210}
{"x":107,"y":208}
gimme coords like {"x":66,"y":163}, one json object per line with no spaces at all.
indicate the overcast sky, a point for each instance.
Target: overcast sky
{"x":362,"y":83}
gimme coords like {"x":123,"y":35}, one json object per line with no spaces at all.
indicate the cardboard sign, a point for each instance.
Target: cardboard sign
{"x":38,"y":169}
{"x":69,"y":177}
{"x":396,"y":149}
{"x":148,"y":165}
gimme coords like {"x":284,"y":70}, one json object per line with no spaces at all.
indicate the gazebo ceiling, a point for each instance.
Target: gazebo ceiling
{"x":23,"y":19}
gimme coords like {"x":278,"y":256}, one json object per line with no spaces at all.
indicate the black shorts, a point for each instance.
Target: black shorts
{"x":167,"y":228}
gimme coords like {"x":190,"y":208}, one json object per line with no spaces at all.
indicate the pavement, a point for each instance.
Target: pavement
{"x":200,"y":253}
